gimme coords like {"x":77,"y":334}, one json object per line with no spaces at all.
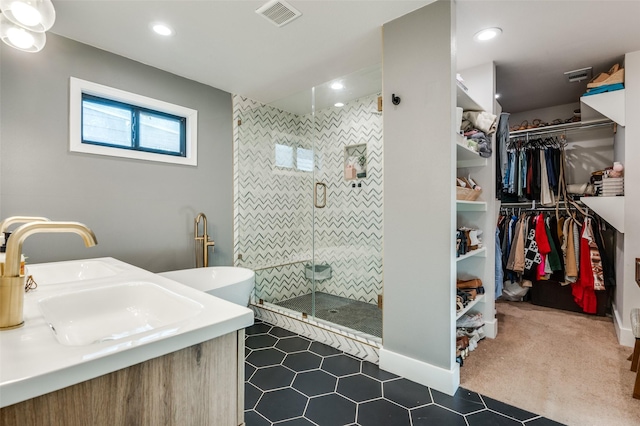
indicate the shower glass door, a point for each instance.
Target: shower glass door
{"x":309,"y":201}
{"x":274,"y":165}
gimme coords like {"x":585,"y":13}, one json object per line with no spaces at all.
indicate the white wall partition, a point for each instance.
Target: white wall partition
{"x":419,"y":203}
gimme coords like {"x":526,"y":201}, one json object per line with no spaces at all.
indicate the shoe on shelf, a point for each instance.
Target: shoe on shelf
{"x":614,"y":76}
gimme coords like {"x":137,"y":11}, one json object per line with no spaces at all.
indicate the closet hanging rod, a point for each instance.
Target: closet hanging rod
{"x":579,"y":125}
{"x":542,"y":209}
{"x":535,"y":205}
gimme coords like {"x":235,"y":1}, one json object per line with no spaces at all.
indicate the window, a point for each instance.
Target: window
{"x":109,"y":121}
{"x":304,"y":160}
{"x":284,"y":156}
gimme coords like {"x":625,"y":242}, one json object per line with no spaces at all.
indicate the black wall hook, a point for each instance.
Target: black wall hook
{"x":395,"y":99}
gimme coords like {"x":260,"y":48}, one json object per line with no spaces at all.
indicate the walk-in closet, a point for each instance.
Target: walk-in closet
{"x":565,"y":277}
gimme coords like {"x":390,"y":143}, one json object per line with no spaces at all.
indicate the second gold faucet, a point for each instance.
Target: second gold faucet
{"x":12,"y":281}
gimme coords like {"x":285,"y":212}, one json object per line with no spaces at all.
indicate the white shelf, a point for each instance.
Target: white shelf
{"x":609,"y":104}
{"x":610,"y":209}
{"x":471,"y":206}
{"x":481,"y":252}
{"x":467,"y":157}
{"x":465,"y":101}
{"x":479,"y":298}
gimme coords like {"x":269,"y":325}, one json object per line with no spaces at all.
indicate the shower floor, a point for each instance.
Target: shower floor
{"x":360,"y":316}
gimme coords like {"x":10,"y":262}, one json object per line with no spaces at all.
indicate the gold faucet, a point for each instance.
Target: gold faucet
{"x":12,"y":282}
{"x":202,"y":240}
{"x":6,"y":223}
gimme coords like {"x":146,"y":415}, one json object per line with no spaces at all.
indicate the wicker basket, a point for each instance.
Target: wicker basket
{"x":467,"y":194}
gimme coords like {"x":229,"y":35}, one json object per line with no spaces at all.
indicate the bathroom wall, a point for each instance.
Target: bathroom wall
{"x":274,"y":217}
{"x":141,"y":212}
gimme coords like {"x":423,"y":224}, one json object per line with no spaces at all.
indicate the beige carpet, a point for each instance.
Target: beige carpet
{"x":565,"y":366}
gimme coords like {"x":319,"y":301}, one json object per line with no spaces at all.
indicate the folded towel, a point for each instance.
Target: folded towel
{"x":603,"y":89}
{"x":481,"y":120}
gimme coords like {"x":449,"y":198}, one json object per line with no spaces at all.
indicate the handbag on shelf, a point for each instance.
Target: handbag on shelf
{"x":474,"y":283}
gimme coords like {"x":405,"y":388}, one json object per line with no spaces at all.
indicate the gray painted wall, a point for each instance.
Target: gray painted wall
{"x":419,"y":200}
{"x":141,"y":212}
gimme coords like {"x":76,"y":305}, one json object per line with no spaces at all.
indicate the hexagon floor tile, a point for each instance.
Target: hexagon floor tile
{"x":294,"y":383}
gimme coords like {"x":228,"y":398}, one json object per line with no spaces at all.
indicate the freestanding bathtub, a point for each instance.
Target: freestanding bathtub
{"x":230,"y":283}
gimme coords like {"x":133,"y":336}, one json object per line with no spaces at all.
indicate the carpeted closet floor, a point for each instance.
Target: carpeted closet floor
{"x":564,"y":366}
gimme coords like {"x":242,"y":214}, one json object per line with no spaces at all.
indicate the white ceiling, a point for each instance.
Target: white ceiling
{"x":225,"y":44}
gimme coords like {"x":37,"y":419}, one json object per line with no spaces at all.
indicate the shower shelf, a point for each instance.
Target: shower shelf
{"x":467,"y":308}
{"x":481,"y":252}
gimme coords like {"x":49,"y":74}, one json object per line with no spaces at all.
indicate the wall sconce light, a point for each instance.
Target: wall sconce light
{"x":23,"y":23}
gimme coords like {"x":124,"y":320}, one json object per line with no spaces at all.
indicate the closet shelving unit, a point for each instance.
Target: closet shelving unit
{"x":558,"y":128}
{"x":612,"y":106}
{"x":471,"y":206}
{"x":610,"y":209}
{"x":470,"y":306}
{"x":481,"y":252}
{"x":475,"y":214}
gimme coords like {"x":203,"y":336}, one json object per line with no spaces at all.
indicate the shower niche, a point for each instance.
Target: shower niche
{"x":355,"y":161}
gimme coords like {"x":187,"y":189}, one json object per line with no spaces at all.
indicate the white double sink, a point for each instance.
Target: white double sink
{"x":118,"y":310}
{"x":90,"y":317}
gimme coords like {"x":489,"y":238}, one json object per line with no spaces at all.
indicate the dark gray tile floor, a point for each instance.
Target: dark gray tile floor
{"x":294,"y":381}
{"x":361,"y":316}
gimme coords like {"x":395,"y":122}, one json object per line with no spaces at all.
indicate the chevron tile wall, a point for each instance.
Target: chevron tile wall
{"x":349,"y":229}
{"x":273,"y":206}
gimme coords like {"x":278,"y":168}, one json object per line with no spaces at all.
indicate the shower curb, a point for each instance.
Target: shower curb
{"x":362,"y":347}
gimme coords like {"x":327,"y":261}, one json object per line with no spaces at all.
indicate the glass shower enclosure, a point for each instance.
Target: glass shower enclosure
{"x":308,"y":201}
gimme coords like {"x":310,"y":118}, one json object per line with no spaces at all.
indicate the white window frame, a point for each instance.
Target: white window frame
{"x":77,"y":87}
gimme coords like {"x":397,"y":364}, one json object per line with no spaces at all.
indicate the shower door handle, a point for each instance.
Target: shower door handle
{"x":324,"y":195}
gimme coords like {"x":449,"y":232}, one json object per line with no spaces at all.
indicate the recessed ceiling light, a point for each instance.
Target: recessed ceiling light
{"x":338,"y":104}
{"x":337,"y":86}
{"x":161,"y":29}
{"x":487,"y":34}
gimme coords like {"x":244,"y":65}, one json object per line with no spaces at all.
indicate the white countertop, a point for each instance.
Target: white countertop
{"x":33,"y":362}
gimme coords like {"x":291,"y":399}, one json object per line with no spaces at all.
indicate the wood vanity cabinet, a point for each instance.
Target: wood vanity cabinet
{"x":199,"y":385}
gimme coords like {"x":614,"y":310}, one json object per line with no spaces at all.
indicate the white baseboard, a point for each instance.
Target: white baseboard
{"x":440,"y":379}
{"x":625,"y":335}
{"x":491,"y":328}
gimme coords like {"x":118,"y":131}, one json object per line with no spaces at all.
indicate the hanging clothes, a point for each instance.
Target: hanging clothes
{"x":535,"y":247}
{"x":583,"y":290}
{"x":595,"y":258}
{"x":554,"y":257}
{"x":531,"y":170}
{"x":546,"y":196}
{"x":499,"y":274}
{"x":569,"y":248}
{"x":502,"y":139}
{"x":543,"y":246}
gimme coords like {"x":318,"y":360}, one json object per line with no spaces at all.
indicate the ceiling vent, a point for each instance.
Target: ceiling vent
{"x":579,"y":75}
{"x":278,"y":12}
